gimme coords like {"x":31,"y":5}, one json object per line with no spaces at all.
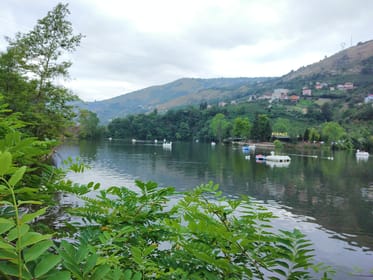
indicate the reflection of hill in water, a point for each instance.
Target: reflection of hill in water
{"x":338,"y":193}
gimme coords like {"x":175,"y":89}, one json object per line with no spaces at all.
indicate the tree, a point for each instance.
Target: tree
{"x":219,"y":126}
{"x":39,"y":55}
{"x":261,"y":130}
{"x":281,"y":125}
{"x":88,"y":124}
{"x":311,"y":134}
{"x":241,"y":127}
{"x":326,"y":111}
{"x":332,"y":132}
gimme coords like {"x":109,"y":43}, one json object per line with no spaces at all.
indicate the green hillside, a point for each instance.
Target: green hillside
{"x":182,"y":92}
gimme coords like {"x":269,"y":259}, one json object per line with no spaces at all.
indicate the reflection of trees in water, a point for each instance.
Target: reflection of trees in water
{"x":330,"y":191}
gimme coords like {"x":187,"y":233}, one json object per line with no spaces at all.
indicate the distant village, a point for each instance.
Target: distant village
{"x":307,"y":91}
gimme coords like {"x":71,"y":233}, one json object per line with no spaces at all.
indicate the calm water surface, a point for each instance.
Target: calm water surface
{"x":329,"y":200}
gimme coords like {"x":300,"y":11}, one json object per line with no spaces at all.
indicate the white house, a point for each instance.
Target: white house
{"x":368,"y":99}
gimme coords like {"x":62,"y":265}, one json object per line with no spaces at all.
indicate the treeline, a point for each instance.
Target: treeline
{"x":191,"y":124}
{"x":242,"y":121}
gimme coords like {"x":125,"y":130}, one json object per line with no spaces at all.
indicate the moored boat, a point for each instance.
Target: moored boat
{"x":278,"y":158}
{"x":362,"y":154}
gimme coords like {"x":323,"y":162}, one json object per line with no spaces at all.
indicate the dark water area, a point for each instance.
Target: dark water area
{"x":331,"y":201}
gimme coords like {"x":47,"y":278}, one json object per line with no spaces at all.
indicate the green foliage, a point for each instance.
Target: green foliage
{"x":88,"y":125}
{"x":281,"y":125}
{"x":29,"y":68}
{"x":219,"y":126}
{"x":241,"y":127}
{"x":278,"y":145}
{"x":261,"y":129}
{"x":24,"y":254}
{"x":204,"y":235}
{"x":332,"y":132}
{"x":311,"y":134}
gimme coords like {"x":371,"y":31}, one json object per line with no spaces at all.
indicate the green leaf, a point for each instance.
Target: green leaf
{"x":100,"y":272}
{"x":7,"y":246}
{"x":37,"y":250}
{"x":9,"y":268}
{"x":14,"y":234}
{"x":8,"y":255}
{"x":29,"y":217}
{"x":90,"y":264}
{"x":17,"y":176}
{"x":46,"y":265}
{"x":35,"y":202}
{"x":5,"y":225}
{"x":31,"y":238}
{"x":81,"y":253}
{"x":26,"y":190}
{"x":5,"y":162}
{"x":137,"y":276}
{"x":127,"y":274}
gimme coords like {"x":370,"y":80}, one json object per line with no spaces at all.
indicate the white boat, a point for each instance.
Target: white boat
{"x":213,"y":143}
{"x":167,"y":145}
{"x":361,"y":154}
{"x":277,"y":158}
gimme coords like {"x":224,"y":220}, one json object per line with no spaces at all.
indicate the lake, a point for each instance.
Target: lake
{"x":331,"y":201}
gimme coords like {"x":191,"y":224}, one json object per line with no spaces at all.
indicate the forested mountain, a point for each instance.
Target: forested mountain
{"x":186,"y":91}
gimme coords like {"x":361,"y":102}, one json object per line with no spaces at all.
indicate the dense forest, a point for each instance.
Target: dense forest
{"x":122,"y":233}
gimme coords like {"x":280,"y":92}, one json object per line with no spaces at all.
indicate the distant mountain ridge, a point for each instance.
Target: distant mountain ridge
{"x":356,"y":60}
{"x":182,"y":92}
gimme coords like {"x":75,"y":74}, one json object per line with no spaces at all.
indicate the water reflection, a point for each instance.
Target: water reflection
{"x":337,"y":194}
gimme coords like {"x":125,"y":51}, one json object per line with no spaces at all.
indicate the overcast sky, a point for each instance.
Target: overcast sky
{"x":130,"y":45}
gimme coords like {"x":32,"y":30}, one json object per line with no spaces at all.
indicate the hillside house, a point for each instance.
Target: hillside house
{"x":345,"y":86}
{"x":320,"y":85}
{"x":368,"y":99}
{"x":348,"y":85}
{"x":267,"y":95}
{"x":306,"y":91}
{"x":280,"y":93}
{"x":294,"y":98}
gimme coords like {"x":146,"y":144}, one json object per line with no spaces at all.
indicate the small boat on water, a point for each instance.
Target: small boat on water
{"x":277,"y":158}
{"x":272,"y":158}
{"x":361,"y":154}
{"x":167,"y":145}
{"x":248,"y":148}
{"x":213,"y":143}
{"x":260,"y":157}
